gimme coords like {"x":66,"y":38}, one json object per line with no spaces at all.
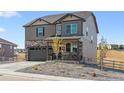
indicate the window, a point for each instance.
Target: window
{"x":39,"y":31}
{"x":0,"y":45}
{"x":71,"y":28}
{"x":68,"y":29}
{"x":71,"y":47}
{"x":91,"y":39}
{"x":87,"y":31}
{"x":74,"y":47}
{"x":58,"y":27}
{"x":11,"y":47}
{"x":68,"y":47}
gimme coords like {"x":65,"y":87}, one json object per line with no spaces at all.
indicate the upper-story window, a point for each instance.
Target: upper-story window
{"x":11,"y":47}
{"x":91,"y":39}
{"x":87,"y":29}
{"x":39,"y":31}
{"x":71,"y":28}
{"x":58,"y":29}
{"x":0,"y":45}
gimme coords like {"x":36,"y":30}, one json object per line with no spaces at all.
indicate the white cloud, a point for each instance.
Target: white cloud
{"x":2,"y":29}
{"x":8,"y":13}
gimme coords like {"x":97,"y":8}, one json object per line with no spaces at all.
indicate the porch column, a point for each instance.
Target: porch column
{"x":47,"y":50}
{"x":26,"y":54}
{"x":78,"y":52}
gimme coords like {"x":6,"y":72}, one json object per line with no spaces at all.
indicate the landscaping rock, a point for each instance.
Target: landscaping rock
{"x":73,"y":71}
{"x":94,"y":74}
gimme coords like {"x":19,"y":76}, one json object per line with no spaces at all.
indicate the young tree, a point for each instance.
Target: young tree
{"x":57,"y":43}
{"x":102,"y":51}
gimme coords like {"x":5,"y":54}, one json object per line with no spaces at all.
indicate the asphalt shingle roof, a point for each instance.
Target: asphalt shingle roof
{"x":3,"y":41}
{"x":53,"y":18}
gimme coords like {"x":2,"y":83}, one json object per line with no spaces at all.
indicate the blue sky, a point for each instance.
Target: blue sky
{"x":110,"y":24}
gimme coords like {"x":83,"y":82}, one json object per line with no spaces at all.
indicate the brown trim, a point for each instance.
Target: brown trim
{"x":37,"y":20}
{"x":45,"y":21}
{"x":39,"y":25}
{"x":79,"y":17}
{"x":72,"y":20}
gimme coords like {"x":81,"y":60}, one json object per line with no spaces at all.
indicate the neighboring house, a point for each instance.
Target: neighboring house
{"x":78,"y":31}
{"x":6,"y":50}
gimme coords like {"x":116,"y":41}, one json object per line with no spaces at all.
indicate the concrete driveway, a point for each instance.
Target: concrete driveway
{"x":18,"y":65}
{"x":8,"y":73}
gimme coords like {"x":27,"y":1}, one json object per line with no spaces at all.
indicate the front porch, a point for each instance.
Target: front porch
{"x":70,"y":49}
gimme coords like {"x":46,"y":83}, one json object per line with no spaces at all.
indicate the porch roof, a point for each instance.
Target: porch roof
{"x":64,"y":38}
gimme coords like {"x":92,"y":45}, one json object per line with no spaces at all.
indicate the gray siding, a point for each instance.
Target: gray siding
{"x":89,"y":49}
{"x":30,"y":32}
{"x":6,"y":52}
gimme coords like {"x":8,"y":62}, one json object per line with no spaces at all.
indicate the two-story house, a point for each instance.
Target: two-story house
{"x":78,"y":30}
{"x":6,"y":50}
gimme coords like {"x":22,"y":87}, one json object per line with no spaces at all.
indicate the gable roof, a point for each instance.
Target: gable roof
{"x":3,"y":41}
{"x":53,"y":18}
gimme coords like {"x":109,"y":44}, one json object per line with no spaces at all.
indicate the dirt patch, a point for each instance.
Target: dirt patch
{"x":21,"y":57}
{"x":115,"y":55}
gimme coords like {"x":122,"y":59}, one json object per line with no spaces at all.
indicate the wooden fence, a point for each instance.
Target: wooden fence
{"x":113,"y":64}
